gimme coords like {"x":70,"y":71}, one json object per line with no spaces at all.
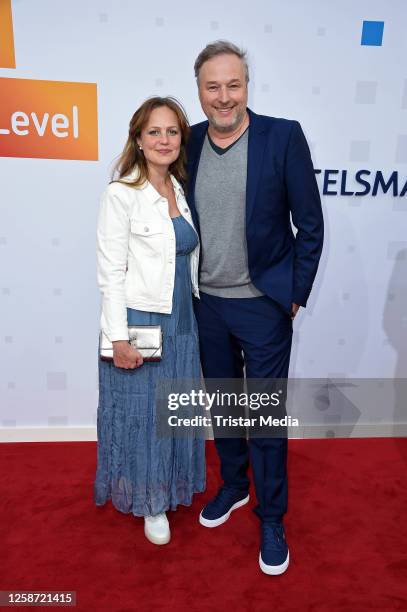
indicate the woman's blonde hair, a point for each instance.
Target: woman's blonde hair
{"x":133,"y":158}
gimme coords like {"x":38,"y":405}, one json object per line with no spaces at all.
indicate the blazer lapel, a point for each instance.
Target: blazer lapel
{"x":194,"y":153}
{"x":255,"y":153}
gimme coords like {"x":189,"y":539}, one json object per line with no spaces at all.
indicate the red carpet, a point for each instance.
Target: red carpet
{"x":346,"y":529}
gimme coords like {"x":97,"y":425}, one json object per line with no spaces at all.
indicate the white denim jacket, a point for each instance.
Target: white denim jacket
{"x":136,"y":253}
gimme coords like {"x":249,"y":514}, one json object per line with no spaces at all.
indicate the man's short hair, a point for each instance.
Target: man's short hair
{"x":220,"y":47}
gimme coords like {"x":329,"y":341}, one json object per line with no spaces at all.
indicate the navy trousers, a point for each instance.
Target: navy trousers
{"x":255,"y":333}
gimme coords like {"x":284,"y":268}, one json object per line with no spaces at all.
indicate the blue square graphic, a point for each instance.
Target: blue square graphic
{"x":372,"y":33}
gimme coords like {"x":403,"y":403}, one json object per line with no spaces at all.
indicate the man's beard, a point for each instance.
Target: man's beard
{"x":231,"y":127}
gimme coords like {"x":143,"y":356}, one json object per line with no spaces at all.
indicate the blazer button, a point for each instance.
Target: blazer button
{"x":146,"y":228}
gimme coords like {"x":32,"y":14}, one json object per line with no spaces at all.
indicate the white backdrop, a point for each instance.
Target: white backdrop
{"x":307,"y":63}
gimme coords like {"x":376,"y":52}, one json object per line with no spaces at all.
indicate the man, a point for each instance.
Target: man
{"x":248,"y":174}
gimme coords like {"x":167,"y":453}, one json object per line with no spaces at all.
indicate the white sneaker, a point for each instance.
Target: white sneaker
{"x":157,"y":529}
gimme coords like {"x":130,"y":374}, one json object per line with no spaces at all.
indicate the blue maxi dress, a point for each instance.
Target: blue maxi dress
{"x":141,"y":472}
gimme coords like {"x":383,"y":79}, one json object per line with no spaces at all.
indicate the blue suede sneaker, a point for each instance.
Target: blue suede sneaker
{"x":274,"y":556}
{"x":218,"y":510}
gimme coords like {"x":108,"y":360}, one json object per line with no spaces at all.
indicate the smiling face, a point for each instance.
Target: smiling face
{"x":160,"y":138}
{"x":223,"y":92}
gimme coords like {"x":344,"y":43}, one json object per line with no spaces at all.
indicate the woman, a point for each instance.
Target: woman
{"x":147,"y":270}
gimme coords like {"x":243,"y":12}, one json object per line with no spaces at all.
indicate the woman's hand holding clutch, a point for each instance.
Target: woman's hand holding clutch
{"x":125,"y":356}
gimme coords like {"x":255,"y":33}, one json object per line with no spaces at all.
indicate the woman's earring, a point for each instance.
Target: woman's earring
{"x":140,"y":147}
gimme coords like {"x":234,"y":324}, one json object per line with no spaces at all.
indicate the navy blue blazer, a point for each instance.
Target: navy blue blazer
{"x":280,"y":181}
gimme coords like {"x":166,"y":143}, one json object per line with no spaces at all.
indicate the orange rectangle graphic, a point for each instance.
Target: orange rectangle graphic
{"x":7,"y":58}
{"x":48,"y":119}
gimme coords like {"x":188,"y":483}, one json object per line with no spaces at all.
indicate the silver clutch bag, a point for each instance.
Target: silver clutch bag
{"x":147,"y":339}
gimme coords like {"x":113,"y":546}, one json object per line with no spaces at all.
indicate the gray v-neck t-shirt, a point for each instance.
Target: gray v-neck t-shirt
{"x":220,"y":199}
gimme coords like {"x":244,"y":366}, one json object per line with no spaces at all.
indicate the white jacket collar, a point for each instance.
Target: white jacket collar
{"x":148,"y":188}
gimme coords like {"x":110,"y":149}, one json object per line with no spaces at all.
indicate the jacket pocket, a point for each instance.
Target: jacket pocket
{"x":146,"y":239}
{"x":146,"y":228}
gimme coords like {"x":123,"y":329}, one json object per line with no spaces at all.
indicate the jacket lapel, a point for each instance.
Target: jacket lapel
{"x":194,"y":153}
{"x":255,"y":153}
